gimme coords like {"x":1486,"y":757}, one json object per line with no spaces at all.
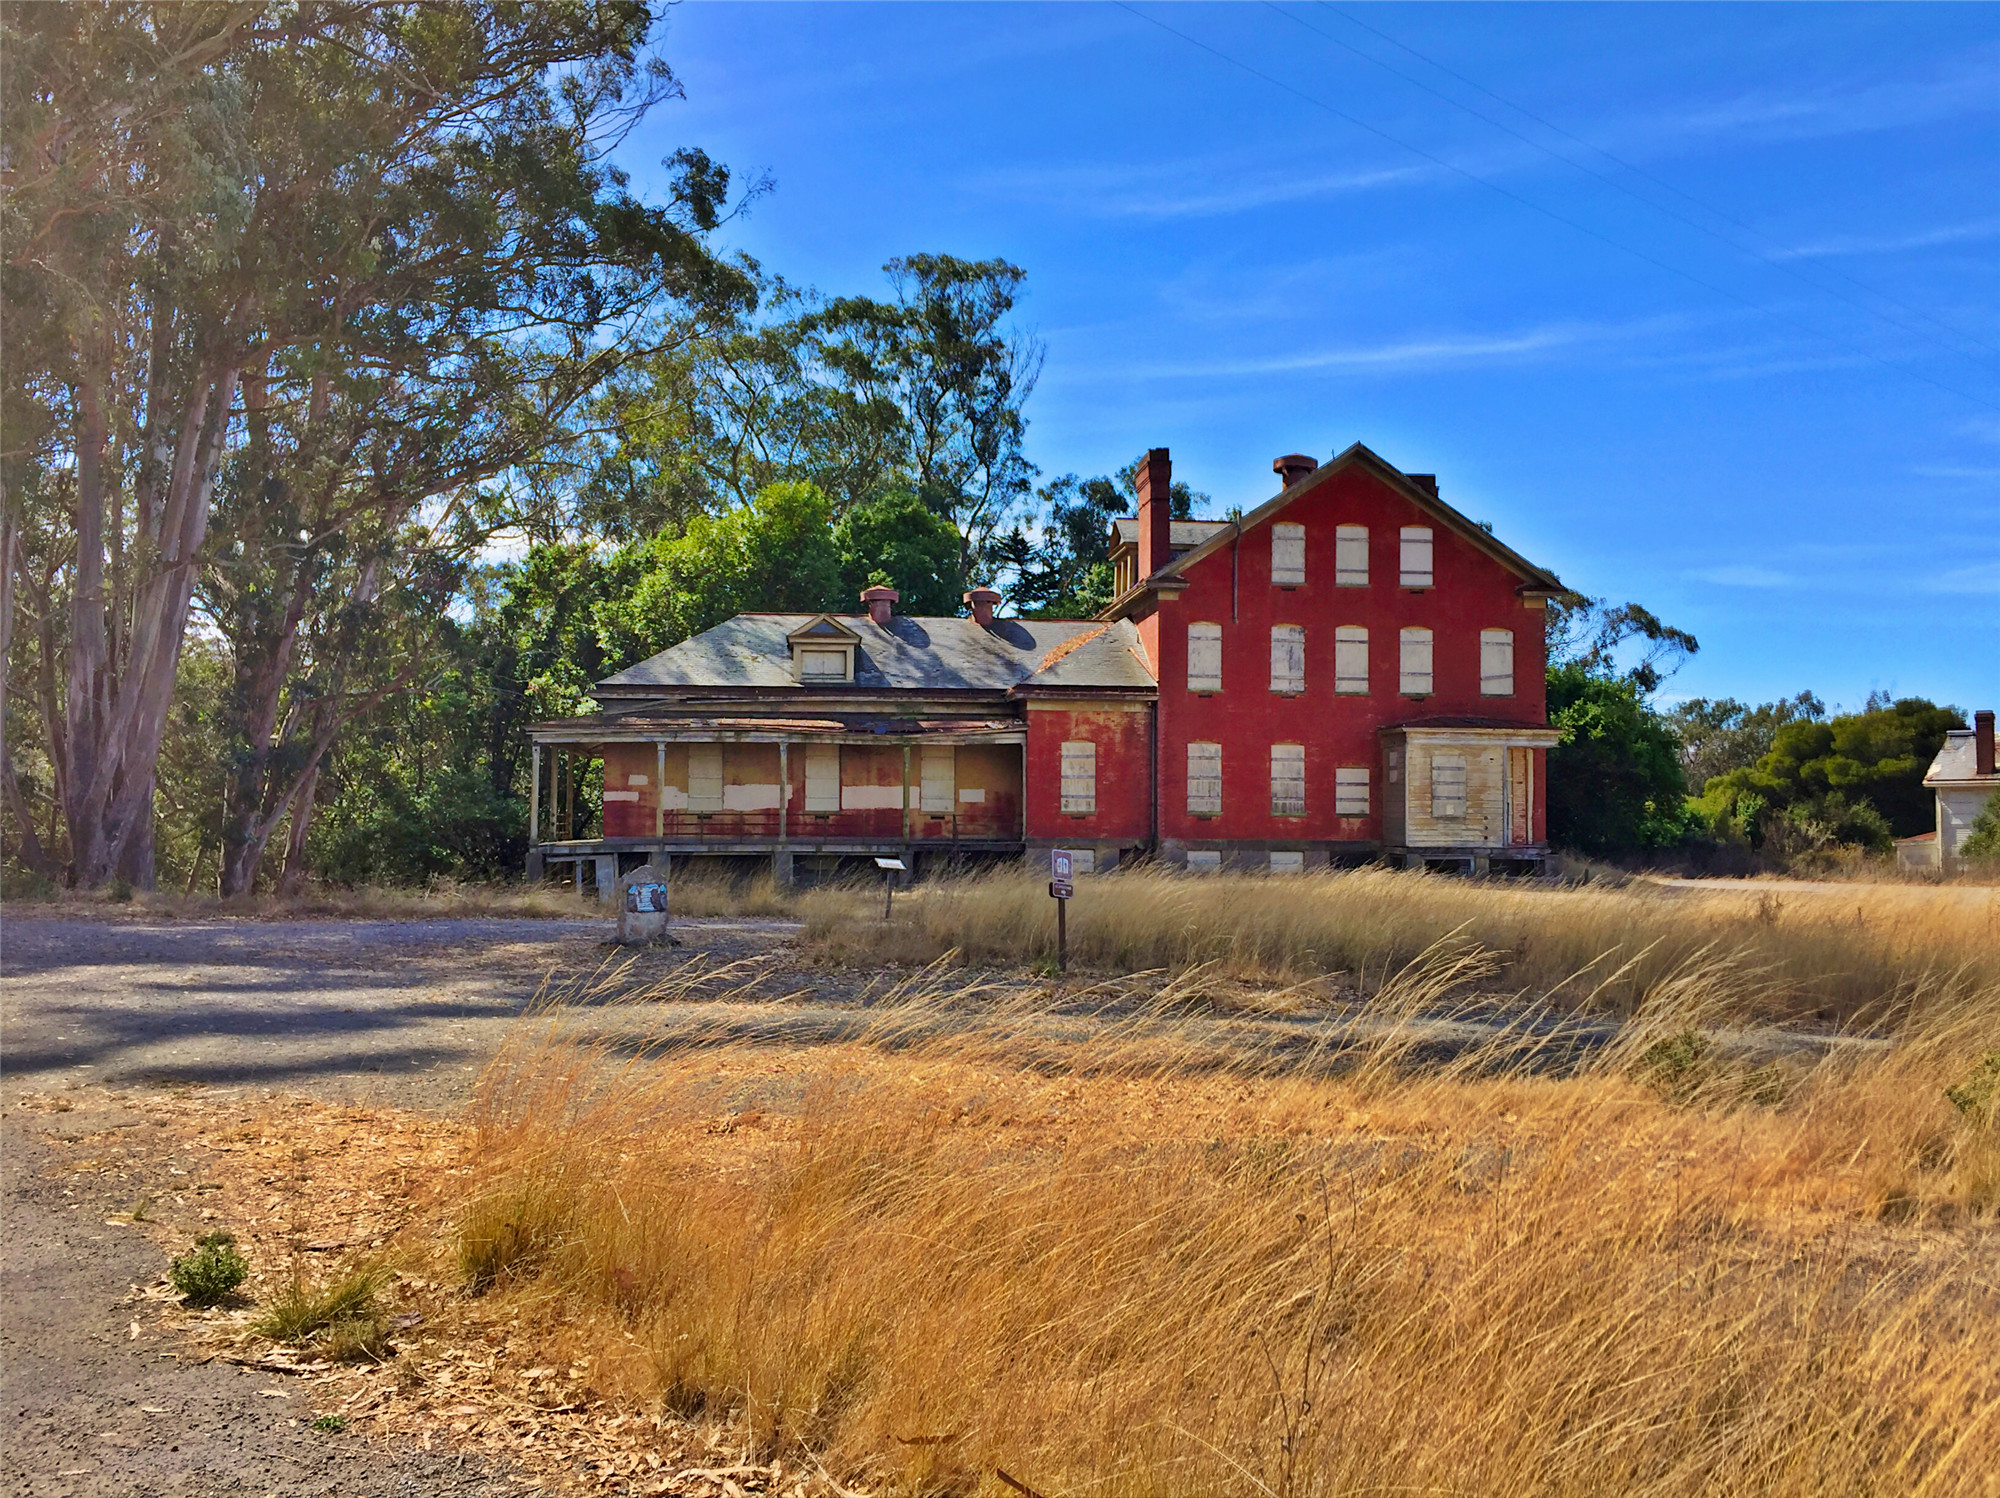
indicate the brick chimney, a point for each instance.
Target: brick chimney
{"x":1982,"y":742}
{"x":1292,"y":467}
{"x":1155,"y":484}
{"x":982,"y":602}
{"x":881,"y":603}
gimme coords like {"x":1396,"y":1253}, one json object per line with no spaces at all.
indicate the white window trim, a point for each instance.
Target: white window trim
{"x":1290,"y":572}
{"x":1347,"y":639}
{"x":1210,"y":640}
{"x":1288,"y":643}
{"x":1350,"y":791}
{"x":1410,"y":683}
{"x":1441,"y":807}
{"x":801,"y":651}
{"x":1079,"y":778}
{"x":1420,"y":536}
{"x":1204,"y":779}
{"x":1288,"y":789}
{"x":1345,"y":539}
{"x":1281,"y":861}
{"x":1494,"y":683}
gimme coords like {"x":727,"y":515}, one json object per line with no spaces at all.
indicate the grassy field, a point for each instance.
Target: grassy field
{"x":1859,"y":953}
{"x":927,"y":1264}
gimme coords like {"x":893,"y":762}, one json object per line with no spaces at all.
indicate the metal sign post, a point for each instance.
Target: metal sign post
{"x":1062,"y":885}
{"x":890,"y":868}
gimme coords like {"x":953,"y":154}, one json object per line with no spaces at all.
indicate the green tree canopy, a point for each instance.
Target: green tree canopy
{"x":896,"y":538}
{"x":1615,"y":781}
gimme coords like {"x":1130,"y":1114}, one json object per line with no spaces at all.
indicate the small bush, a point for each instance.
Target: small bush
{"x":1678,"y":1066}
{"x":214,"y":1269}
{"x":1975,"y":1096}
{"x":330,"y":1423}
{"x":340,"y":1318}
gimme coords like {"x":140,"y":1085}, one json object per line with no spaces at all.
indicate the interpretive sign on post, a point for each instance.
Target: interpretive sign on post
{"x":890,"y":868}
{"x":1062,"y":885}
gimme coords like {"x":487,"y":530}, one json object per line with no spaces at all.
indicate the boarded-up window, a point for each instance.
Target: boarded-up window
{"x":1204,"y":657}
{"x":1447,"y":786}
{"x":1288,"y":863}
{"x":1415,"y":673}
{"x":1083,"y":860}
{"x":822,"y":665}
{"x":1204,"y":780}
{"x":704,"y":777}
{"x":1350,"y":659}
{"x":1416,"y":568}
{"x":1496,"y":663}
{"x":1204,"y":860}
{"x":1288,"y":555}
{"x":1350,"y":556}
{"x":1288,"y":657}
{"x":939,"y":792}
{"x":1350,"y":791}
{"x":1079,"y":777}
{"x":822,"y":777}
{"x":1288,"y":780}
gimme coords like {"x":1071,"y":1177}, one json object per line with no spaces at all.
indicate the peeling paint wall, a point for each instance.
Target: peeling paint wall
{"x":1122,"y":733}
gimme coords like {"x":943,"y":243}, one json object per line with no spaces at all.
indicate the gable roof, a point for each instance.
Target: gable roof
{"x":1182,"y":534}
{"x":822,"y":628}
{"x":1534,"y":579}
{"x":1957,"y":762}
{"x":911,"y":652}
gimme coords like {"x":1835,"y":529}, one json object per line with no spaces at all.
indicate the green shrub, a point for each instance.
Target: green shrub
{"x":210,"y":1272}
{"x":341,"y":1319}
{"x":1975,"y":1096}
{"x":1984,"y":839}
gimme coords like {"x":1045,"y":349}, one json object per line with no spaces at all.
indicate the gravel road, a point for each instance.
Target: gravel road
{"x":396,"y":1011}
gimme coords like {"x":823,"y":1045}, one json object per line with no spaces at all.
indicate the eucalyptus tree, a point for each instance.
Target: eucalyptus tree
{"x":292,"y":285}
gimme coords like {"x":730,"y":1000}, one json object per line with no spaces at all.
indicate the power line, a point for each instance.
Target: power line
{"x":1550,"y":213}
{"x":1772,"y":261}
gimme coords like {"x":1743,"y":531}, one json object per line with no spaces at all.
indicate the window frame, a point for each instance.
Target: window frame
{"x":1288,"y":573}
{"x":1292,"y":804}
{"x":1074,"y":802}
{"x":1209,"y":682}
{"x":841,"y":655}
{"x":1409,"y":635}
{"x":1345,"y":779}
{"x":1345,"y":539}
{"x":1496,"y":638}
{"x":937,"y":795}
{"x":818,"y":757}
{"x":1292,"y":638}
{"x":1423,"y":536}
{"x":1456,"y":762}
{"x":705,"y":752}
{"x":1346,"y":639}
{"x":1205,"y":769}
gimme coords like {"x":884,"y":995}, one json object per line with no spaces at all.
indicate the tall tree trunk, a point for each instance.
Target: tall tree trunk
{"x":294,"y":877}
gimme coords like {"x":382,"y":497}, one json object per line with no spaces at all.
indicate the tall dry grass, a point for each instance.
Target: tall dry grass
{"x":1131,"y":1254}
{"x":1845,"y":952}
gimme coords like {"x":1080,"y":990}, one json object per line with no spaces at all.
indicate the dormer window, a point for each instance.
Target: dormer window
{"x":823,"y":651}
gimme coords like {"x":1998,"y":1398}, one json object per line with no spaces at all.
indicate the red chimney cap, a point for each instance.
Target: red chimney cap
{"x":1292,"y":467}
{"x":880,"y":590}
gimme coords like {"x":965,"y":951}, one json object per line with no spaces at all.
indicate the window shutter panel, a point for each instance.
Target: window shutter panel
{"x":1496,"y":662}
{"x":1416,"y":559}
{"x":1288,"y":555}
{"x":1350,"y":660}
{"x":1288,"y":657}
{"x":1350,"y":556}
{"x":1204,"y":657}
{"x":1416,"y":663}
{"x":1079,"y":777}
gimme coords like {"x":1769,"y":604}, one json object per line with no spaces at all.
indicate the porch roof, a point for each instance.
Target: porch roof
{"x":645,"y":728}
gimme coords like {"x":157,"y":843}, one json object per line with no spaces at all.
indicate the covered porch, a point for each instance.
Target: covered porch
{"x":610,"y":793}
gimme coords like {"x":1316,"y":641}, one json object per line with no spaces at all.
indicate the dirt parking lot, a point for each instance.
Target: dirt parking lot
{"x":402,"y":1011}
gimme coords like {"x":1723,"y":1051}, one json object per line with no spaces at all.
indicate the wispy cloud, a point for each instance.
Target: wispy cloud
{"x":1979,"y":473}
{"x":1745,"y":576}
{"x":1980,"y":577}
{"x":1891,"y":244}
{"x":1185,"y":189}
{"x":1404,"y":355}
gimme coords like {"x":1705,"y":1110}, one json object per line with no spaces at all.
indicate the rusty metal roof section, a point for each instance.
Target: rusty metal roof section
{"x":669,"y":725}
{"x":1957,"y":762}
{"x":1104,"y":658}
{"x":909,"y":653}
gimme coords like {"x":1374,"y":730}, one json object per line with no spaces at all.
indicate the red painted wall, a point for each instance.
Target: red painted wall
{"x":1470,"y":592}
{"x":1123,"y":739}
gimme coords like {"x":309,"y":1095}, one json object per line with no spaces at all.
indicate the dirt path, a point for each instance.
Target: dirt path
{"x":360,"y":1011}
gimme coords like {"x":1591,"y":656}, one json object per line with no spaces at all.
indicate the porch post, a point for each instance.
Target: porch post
{"x":535,"y":796}
{"x":906,"y":795}
{"x":660,"y":789}
{"x":784,"y":789}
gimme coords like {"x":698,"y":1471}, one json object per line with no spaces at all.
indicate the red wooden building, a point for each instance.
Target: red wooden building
{"x":1352,"y":670}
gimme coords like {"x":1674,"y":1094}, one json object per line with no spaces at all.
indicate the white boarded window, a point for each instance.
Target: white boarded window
{"x":1496,"y":663}
{"x":1204,"y":777}
{"x":1350,"y":556}
{"x":822,"y":777}
{"x":1204,"y":860}
{"x":1447,"y":786}
{"x":938,"y":793}
{"x":1288,"y":780}
{"x":1288,"y":657}
{"x":1288,"y":555}
{"x":1083,"y":860}
{"x":1204,"y":657}
{"x":822,"y":665}
{"x":1415,"y":673}
{"x":1288,"y":863}
{"x":1079,"y":777}
{"x":1350,"y":659}
{"x":704,"y":777}
{"x":1416,"y":568}
{"x":1350,"y":791}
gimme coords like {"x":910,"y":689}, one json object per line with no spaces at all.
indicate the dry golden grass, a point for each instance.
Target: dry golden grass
{"x":1845,"y":952}
{"x":1130,"y":1252}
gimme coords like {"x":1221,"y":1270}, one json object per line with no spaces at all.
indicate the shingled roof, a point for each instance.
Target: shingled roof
{"x":912,"y":652}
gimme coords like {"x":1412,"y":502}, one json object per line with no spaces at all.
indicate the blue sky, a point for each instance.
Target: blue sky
{"x":1744,"y":369}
